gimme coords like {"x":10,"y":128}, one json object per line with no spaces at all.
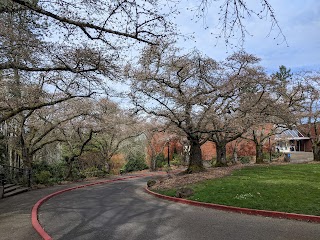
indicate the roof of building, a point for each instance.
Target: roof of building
{"x":290,"y":134}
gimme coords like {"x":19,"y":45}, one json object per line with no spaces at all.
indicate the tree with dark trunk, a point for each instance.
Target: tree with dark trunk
{"x":192,"y":92}
{"x":259,"y":137}
{"x":221,"y":154}
{"x":115,"y":127}
{"x":195,"y":161}
{"x":177,"y":89}
{"x":234,"y":117}
{"x":76,"y":154}
{"x":279,"y":109}
{"x":310,"y":117}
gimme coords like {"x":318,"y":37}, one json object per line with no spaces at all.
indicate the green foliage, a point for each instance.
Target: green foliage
{"x":151,"y":182}
{"x":3,"y":149}
{"x":168,"y":192}
{"x":135,"y":163}
{"x":176,"y":159}
{"x":266,"y":155}
{"x":43,"y":177}
{"x":213,"y":161}
{"x":166,"y":168}
{"x":245,"y":159}
{"x":161,"y":160}
{"x":283,"y":74}
{"x":56,"y":172}
{"x":276,"y":154}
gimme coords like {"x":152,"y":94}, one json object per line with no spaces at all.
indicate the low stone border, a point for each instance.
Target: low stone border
{"x":265,"y":213}
{"x":34,"y":214}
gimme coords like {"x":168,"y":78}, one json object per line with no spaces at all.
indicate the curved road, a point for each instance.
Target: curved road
{"x":122,"y":210}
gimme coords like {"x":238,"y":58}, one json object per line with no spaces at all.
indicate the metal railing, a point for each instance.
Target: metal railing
{"x":10,"y":174}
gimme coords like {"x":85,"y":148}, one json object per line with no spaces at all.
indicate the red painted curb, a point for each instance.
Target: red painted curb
{"x":34,"y":214}
{"x":265,"y":213}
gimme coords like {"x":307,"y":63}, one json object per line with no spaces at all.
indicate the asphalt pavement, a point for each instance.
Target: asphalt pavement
{"x":15,"y":212}
{"x":122,"y":210}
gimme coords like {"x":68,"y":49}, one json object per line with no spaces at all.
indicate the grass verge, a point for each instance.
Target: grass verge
{"x":293,"y":188}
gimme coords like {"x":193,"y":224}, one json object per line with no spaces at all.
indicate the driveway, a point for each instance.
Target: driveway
{"x":15,"y":213}
{"x":122,"y":210}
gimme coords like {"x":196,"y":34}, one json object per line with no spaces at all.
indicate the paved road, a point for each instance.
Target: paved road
{"x":15,"y":213}
{"x":122,"y":210}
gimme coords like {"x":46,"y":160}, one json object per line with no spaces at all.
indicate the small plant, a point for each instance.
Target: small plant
{"x":167,"y":168}
{"x":57,"y":171}
{"x":277,"y":154}
{"x":176,"y":160}
{"x":213,"y":161}
{"x":266,"y":155}
{"x":245,"y":159}
{"x":135,"y":163}
{"x":43,"y":177}
{"x":151,"y":182}
{"x":160,"y":160}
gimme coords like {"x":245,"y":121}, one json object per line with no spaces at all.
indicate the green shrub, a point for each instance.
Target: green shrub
{"x":161,"y":160}
{"x":276,"y":154}
{"x":176,"y":160}
{"x":135,"y":163}
{"x":43,"y":177}
{"x":213,"y":161}
{"x":40,"y":166}
{"x":245,"y":159}
{"x":229,"y":158}
{"x":266,"y":155}
{"x":57,"y":171}
{"x":166,"y":168}
{"x":151,"y":182}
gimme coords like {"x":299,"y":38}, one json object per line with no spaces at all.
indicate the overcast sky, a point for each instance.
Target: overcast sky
{"x":299,"y":21}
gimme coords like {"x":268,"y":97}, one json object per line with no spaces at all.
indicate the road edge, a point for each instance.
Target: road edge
{"x":34,"y":213}
{"x":265,"y":213}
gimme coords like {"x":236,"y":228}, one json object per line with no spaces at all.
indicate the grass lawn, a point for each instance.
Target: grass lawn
{"x":293,"y":188}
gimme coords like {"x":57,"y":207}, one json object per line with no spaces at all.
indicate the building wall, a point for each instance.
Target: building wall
{"x":243,"y":147}
{"x":208,"y":150}
{"x":308,"y":146}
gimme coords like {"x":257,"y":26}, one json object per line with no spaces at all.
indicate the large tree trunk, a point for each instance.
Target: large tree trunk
{"x":26,"y":157}
{"x":221,"y":155}
{"x":195,"y":161}
{"x":259,"y":153}
{"x":27,"y":160}
{"x":316,"y":152}
{"x":69,"y":162}
{"x":153,"y":163}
